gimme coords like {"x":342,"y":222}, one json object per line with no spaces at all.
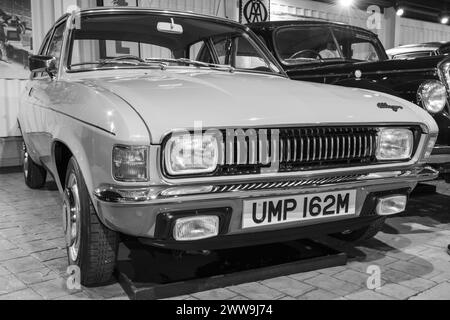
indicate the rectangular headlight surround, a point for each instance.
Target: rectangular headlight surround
{"x":395,"y":144}
{"x":130,"y":163}
{"x":191,"y":154}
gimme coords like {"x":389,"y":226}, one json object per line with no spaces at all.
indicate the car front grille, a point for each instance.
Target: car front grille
{"x":302,"y":149}
{"x":308,"y":149}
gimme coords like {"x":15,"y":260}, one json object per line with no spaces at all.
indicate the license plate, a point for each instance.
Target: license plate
{"x":273,"y":211}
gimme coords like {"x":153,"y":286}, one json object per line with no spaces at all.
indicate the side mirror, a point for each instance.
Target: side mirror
{"x":43,"y":64}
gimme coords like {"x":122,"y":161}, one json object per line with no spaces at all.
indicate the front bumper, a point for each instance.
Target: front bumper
{"x":142,"y":214}
{"x":440,"y":159}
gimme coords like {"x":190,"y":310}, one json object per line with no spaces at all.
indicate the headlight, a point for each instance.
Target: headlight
{"x":395,"y":144}
{"x":433,"y":96}
{"x":191,"y":154}
{"x":130,"y":164}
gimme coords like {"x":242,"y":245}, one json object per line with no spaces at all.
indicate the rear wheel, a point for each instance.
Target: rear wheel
{"x":90,"y":245}
{"x":34,"y":175}
{"x":362,"y":234}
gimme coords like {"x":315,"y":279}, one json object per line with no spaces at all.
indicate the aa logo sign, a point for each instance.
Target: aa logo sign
{"x":254,"y":11}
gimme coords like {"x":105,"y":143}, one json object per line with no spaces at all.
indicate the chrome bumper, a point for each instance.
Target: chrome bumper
{"x":169,"y":194}
{"x":135,"y":211}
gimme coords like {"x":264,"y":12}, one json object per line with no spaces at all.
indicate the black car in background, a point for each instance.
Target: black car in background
{"x":412,"y":51}
{"x":339,"y":54}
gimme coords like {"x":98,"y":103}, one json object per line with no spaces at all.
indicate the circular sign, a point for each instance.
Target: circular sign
{"x":255,"y":11}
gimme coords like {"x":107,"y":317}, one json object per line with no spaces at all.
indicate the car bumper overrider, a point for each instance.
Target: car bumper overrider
{"x":151,"y":213}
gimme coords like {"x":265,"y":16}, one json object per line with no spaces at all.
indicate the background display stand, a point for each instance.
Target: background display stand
{"x":158,"y":274}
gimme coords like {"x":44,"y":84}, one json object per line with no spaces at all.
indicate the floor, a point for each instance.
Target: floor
{"x":410,"y":253}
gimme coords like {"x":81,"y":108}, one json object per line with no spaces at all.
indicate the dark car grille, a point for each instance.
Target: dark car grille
{"x":302,"y":149}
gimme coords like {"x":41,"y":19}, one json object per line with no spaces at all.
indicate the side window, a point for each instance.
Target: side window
{"x":44,"y":46}
{"x":357,"y":46}
{"x":240,"y":53}
{"x":200,"y":51}
{"x":364,"y":51}
{"x":42,"y":51}
{"x":247,"y":57}
{"x":55,"y":46}
{"x":223,"y":49}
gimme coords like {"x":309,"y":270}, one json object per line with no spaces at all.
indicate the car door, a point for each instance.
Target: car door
{"x":42,"y":118}
{"x":27,"y":117}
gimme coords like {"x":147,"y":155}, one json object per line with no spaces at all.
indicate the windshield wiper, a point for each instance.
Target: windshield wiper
{"x":194,"y":63}
{"x":136,"y":63}
{"x":103,"y":62}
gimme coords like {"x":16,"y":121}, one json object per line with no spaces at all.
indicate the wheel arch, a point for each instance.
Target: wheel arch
{"x":62,"y":152}
{"x":61,"y":156}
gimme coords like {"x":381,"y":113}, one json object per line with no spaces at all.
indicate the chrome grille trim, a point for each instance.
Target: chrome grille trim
{"x":284,"y":184}
{"x":320,"y":147}
{"x":300,"y":149}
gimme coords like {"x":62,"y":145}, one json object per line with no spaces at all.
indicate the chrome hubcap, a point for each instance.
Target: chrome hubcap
{"x":71,"y":216}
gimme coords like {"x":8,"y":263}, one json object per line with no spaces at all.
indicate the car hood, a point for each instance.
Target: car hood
{"x":168,"y":100}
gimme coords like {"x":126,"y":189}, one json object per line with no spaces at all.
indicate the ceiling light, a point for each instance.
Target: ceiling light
{"x":346,"y":3}
{"x":445,"y":18}
{"x":400,"y":12}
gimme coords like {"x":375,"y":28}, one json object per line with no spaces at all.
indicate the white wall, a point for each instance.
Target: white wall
{"x":414,"y":31}
{"x":394,"y":30}
{"x":294,"y":9}
{"x":211,"y":7}
{"x":44,"y":14}
{"x":10,"y":91}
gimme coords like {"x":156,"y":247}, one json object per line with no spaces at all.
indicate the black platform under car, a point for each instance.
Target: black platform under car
{"x":334,"y":53}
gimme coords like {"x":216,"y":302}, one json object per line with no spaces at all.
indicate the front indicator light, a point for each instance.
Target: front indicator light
{"x":391,"y":205}
{"x":196,"y":228}
{"x":395,"y":144}
{"x":130,"y":164}
{"x":429,"y":149}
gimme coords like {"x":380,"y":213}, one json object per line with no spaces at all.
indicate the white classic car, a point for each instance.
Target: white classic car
{"x":181,"y":130}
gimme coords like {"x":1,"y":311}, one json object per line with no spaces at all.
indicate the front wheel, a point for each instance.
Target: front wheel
{"x":362,"y":234}
{"x":34,"y":175}
{"x":90,"y":245}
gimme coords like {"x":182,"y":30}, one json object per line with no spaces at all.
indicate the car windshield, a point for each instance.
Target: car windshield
{"x":151,"y":40}
{"x":306,"y":44}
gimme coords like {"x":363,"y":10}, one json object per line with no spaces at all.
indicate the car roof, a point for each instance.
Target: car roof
{"x":120,"y":9}
{"x":304,"y":21}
